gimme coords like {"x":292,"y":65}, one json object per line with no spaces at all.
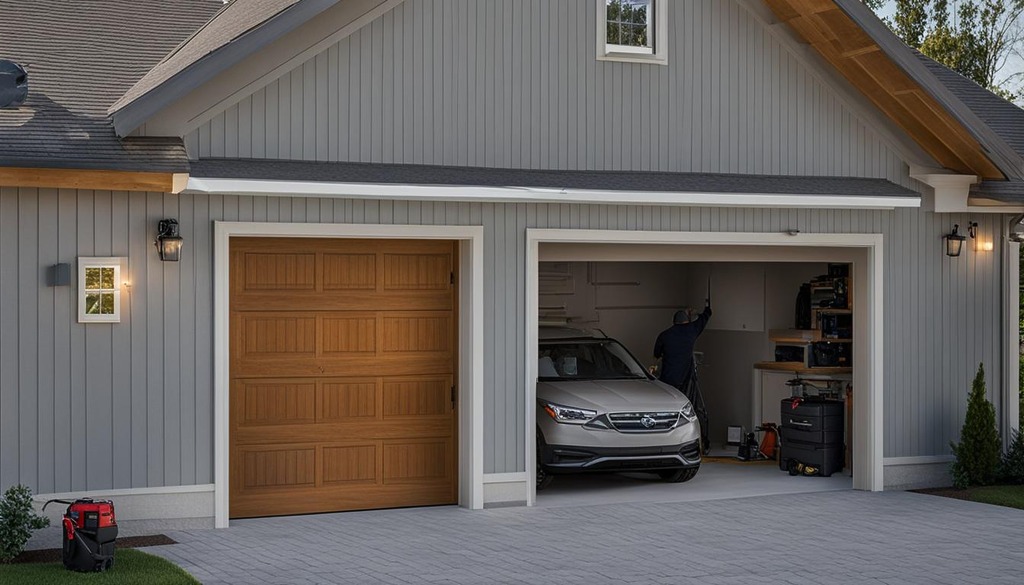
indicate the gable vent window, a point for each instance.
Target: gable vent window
{"x":632,"y":30}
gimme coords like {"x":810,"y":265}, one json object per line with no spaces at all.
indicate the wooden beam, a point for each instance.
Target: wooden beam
{"x":99,"y":180}
{"x":858,"y":58}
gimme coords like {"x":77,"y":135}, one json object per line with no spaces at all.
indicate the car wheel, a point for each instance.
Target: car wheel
{"x":544,"y":478}
{"x":678,"y":475}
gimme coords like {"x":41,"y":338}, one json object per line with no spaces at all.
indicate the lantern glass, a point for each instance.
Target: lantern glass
{"x":170,"y":248}
{"x":954,"y":244}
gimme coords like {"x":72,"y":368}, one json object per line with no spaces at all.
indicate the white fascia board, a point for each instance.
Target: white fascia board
{"x":539,"y":195}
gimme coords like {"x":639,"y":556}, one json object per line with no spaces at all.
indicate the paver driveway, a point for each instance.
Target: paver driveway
{"x":835,"y":537}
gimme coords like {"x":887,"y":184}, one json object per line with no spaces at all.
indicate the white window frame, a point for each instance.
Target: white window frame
{"x":657,"y":54}
{"x":100,"y":262}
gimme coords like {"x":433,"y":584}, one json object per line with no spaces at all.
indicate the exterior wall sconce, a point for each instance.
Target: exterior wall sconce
{"x":954,"y":242}
{"x":168,"y":242}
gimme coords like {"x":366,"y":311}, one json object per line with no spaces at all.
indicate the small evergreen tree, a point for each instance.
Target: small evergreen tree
{"x":978,"y":453}
{"x":1012,"y":470}
{"x":17,"y":521}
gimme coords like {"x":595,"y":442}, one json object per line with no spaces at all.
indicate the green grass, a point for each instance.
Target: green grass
{"x":131,"y":567}
{"x":1011,"y":496}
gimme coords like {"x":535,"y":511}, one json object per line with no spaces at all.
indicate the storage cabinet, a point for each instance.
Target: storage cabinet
{"x":812,"y":433}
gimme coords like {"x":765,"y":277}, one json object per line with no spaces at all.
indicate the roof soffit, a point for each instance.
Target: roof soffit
{"x":844,"y":44}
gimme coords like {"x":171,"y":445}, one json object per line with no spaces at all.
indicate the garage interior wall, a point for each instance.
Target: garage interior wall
{"x":137,"y":396}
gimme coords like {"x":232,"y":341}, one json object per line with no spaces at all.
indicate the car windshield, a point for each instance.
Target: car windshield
{"x":599,"y":359}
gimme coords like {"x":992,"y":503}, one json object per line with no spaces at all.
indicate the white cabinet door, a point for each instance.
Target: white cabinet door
{"x":737,"y":294}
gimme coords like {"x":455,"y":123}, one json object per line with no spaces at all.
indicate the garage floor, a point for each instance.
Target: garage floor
{"x":715,"y":481}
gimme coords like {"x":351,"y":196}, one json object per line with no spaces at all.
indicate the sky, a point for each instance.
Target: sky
{"x":1015,"y":64}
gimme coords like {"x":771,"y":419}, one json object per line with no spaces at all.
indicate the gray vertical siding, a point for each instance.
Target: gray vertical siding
{"x":129,"y":405}
{"x":516,"y":83}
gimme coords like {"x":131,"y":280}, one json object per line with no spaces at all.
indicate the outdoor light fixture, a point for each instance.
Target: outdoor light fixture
{"x":954,"y":242}
{"x":168,"y":242}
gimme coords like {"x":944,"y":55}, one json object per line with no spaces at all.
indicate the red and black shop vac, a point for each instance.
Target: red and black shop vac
{"x":89,"y":529}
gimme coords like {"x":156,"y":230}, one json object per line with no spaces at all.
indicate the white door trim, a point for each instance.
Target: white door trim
{"x":471,"y":315}
{"x":868,"y":351}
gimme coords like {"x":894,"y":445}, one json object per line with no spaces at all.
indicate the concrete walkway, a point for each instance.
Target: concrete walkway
{"x":834,"y":537}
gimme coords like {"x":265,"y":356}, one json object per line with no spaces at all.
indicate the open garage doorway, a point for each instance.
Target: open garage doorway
{"x":624,"y":288}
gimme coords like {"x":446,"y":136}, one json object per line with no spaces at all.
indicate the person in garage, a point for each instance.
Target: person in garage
{"x":674,"y":347}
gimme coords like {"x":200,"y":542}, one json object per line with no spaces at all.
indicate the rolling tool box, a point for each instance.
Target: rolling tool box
{"x":812,"y":434}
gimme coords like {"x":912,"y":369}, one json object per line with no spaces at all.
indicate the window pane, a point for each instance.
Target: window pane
{"x":92,"y":278}
{"x":614,"y":33}
{"x":628,"y":22}
{"x":107,"y":303}
{"x":107,"y":278}
{"x":92,"y":304}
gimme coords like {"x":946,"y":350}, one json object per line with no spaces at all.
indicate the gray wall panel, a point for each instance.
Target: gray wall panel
{"x":145,"y":385}
{"x":516,"y":83}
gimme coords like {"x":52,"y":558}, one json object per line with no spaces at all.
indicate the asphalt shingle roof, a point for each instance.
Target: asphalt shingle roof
{"x":234,"y":20}
{"x":81,"y":56}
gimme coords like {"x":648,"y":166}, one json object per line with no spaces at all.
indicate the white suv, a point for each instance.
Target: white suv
{"x":598,"y":409}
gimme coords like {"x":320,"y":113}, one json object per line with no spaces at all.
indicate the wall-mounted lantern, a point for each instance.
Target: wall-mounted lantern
{"x":954,"y":242}
{"x":168,"y":242}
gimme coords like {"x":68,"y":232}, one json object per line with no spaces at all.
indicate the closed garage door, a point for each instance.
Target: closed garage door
{"x":342,"y":375}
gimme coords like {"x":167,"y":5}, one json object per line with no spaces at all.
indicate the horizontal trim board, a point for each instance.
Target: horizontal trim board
{"x":91,"y":179}
{"x":922,"y":460}
{"x":505,"y":477}
{"x":147,"y":491}
{"x":539,"y":195}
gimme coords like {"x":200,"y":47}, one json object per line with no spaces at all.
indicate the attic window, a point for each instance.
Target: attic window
{"x":632,"y":30}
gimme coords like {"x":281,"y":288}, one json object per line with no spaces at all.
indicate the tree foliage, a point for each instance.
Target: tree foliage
{"x":979,"y":452}
{"x":976,"y":38}
{"x":17,"y":521}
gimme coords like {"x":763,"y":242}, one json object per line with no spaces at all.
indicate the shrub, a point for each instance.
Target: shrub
{"x":17,"y":521}
{"x":1012,"y":470}
{"x":978,"y":453}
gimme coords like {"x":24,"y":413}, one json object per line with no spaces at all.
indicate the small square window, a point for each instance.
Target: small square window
{"x":99,"y":290}
{"x":632,"y":30}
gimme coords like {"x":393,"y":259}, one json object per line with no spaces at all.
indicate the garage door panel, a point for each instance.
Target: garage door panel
{"x":342,"y":368}
{"x":399,"y":364}
{"x":276,"y":402}
{"x":341,"y":497}
{"x":417,"y":397}
{"x":417,"y":461}
{"x":417,"y":428}
{"x":348,"y":334}
{"x":277,"y":335}
{"x":407,"y":272}
{"x":351,"y":464}
{"x":342,"y":300}
{"x":417,"y":333}
{"x":348,"y":400}
{"x":269,"y":271}
{"x":278,"y":467}
{"x":344,"y":272}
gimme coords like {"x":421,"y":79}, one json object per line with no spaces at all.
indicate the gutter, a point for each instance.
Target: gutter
{"x":511,"y":194}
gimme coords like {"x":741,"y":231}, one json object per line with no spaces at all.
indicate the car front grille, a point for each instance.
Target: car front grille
{"x":643,"y":422}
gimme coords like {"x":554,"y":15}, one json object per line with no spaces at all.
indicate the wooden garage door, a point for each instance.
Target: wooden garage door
{"x":342,"y":375}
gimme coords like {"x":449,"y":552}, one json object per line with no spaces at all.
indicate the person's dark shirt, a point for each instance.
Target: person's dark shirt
{"x":675,"y":349}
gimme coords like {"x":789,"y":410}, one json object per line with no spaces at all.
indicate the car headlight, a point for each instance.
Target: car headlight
{"x":568,"y":414}
{"x":688,"y":413}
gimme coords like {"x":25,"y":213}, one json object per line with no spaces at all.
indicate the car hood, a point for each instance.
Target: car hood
{"x":613,"y":395}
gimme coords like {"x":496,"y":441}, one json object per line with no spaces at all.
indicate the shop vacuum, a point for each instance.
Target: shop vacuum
{"x":90,"y":529}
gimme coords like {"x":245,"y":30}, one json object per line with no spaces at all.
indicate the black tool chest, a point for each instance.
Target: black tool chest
{"x":812,"y":433}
